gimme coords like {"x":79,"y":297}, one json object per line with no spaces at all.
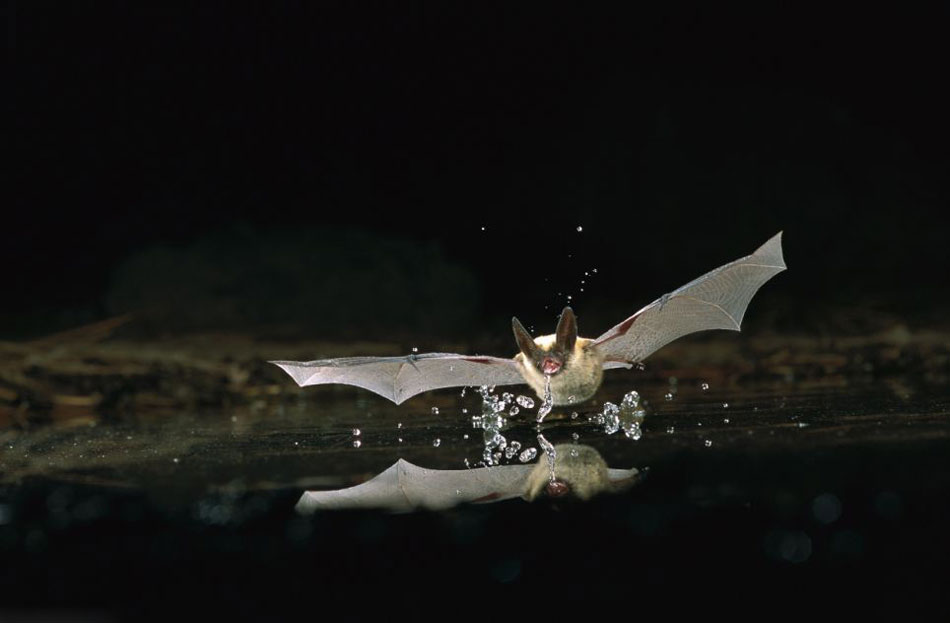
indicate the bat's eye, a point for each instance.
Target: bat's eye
{"x":557,"y":489}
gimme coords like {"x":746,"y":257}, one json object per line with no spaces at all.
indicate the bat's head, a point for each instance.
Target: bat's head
{"x":548,"y":353}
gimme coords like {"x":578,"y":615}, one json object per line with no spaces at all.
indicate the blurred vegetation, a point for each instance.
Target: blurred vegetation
{"x":326,"y":282}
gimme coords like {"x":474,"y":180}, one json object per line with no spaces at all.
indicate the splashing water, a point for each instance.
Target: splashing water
{"x":528,"y":455}
{"x":513,"y":448}
{"x":492,"y":421}
{"x":609,"y":418}
{"x":525,"y":402}
{"x":548,"y":402}
{"x":548,"y":448}
{"x":631,"y":415}
{"x":628,"y":416}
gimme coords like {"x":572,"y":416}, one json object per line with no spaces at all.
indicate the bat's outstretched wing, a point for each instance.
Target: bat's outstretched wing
{"x":400,"y":378}
{"x":717,"y":300}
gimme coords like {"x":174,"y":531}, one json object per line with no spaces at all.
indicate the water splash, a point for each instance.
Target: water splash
{"x":491,"y":422}
{"x":548,"y":402}
{"x":628,"y":416}
{"x":631,"y":415}
{"x":528,"y":455}
{"x":609,"y":418}
{"x":525,"y":402}
{"x":551,"y":453}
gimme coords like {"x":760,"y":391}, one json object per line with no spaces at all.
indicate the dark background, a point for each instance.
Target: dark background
{"x":418,"y":172}
{"x":326,"y":169}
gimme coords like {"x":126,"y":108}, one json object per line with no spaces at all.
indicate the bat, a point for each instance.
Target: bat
{"x":571,"y":367}
{"x":404,"y":487}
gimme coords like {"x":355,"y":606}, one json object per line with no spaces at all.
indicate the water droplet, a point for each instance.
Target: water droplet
{"x":525,"y":402}
{"x":671,"y":430}
{"x":610,"y":418}
{"x":465,"y":436}
{"x":512,"y":449}
{"x":668,"y":396}
{"x":708,"y":443}
{"x":574,"y":415}
{"x":705,"y":386}
{"x":632,"y":431}
{"x":551,"y":453}
{"x":458,"y":492}
{"x":356,"y":432}
{"x":436,"y":442}
{"x":464,"y":410}
{"x":575,"y":436}
{"x":548,"y":403}
{"x":528,"y":455}
{"x":725,"y":420}
{"x":358,"y":443}
{"x":483,"y":228}
{"x":802,"y":424}
{"x":579,"y":229}
{"x":175,"y":460}
{"x":514,"y":411}
{"x":399,"y":425}
{"x":400,"y":441}
{"x":725,"y":405}
{"x":435,"y":411}
{"x":593,"y":270}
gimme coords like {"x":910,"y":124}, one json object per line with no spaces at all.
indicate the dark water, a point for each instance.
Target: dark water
{"x":780,"y":490}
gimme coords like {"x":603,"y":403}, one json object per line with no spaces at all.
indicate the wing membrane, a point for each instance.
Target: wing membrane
{"x":717,"y":300}
{"x":400,"y":378}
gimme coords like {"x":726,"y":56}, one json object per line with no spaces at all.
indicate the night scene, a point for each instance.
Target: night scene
{"x":326,"y":308}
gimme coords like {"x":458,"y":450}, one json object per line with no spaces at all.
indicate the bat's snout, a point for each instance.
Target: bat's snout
{"x":550,"y":365}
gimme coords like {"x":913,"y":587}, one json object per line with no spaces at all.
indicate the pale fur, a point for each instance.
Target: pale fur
{"x":578,"y":379}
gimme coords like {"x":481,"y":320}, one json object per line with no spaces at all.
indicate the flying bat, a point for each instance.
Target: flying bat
{"x":571,"y":366}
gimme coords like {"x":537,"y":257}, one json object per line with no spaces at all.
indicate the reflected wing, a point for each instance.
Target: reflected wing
{"x":405,"y":487}
{"x":717,"y":300}
{"x":400,"y":378}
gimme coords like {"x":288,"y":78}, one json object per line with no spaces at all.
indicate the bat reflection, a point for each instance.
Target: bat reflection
{"x":579,"y":472}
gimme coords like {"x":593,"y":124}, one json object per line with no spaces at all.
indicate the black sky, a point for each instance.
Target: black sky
{"x":679,"y":137}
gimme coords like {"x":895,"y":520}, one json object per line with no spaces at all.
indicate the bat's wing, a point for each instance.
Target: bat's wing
{"x":400,"y":378}
{"x":717,"y":300}
{"x":405,"y":487}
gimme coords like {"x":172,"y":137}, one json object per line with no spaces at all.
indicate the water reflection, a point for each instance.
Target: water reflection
{"x":578,"y":471}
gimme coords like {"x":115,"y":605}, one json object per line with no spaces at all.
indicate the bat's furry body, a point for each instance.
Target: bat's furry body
{"x":575,"y":365}
{"x":578,"y":380}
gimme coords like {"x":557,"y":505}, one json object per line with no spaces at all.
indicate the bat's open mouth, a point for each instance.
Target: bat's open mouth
{"x":550,"y":365}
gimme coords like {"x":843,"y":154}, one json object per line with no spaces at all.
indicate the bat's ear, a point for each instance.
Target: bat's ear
{"x":525,"y":342}
{"x":566,"y":330}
